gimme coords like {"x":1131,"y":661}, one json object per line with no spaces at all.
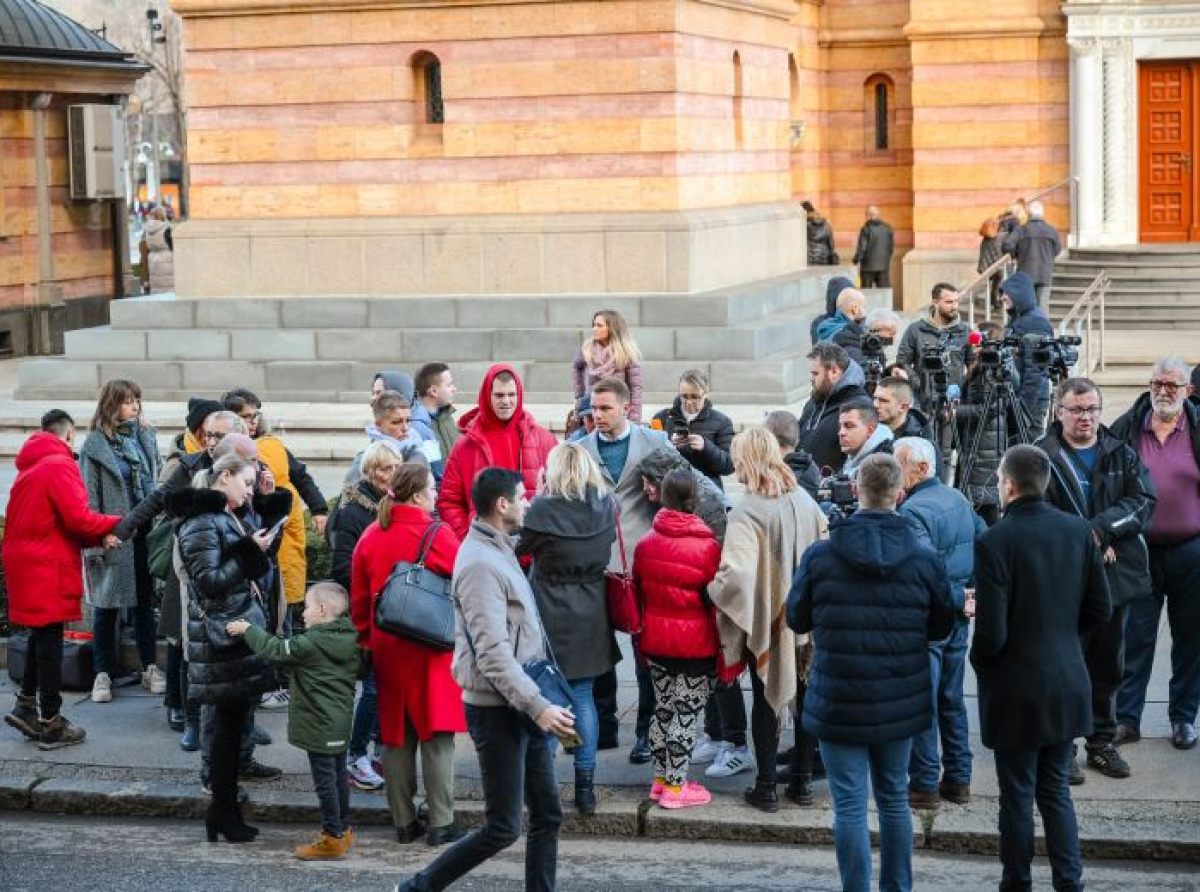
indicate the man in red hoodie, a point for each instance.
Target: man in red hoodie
{"x":48,"y":523}
{"x":497,"y":433}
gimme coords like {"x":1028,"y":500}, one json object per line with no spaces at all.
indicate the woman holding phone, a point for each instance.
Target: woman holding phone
{"x":228,"y":570}
{"x":700,"y":433}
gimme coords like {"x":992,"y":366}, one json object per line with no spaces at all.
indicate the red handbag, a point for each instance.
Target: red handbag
{"x":624,"y":611}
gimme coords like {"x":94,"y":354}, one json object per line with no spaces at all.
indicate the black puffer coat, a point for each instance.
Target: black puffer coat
{"x":221,"y":561}
{"x":821,"y":251}
{"x":713,"y":461}
{"x":356,"y":510}
{"x":570,"y":541}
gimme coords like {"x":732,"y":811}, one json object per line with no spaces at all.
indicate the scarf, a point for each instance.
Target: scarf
{"x":602,"y":365}
{"x":128,"y":448}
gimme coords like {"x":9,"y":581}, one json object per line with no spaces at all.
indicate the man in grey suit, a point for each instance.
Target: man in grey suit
{"x":619,"y":447}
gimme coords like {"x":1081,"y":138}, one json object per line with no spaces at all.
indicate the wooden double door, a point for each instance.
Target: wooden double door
{"x":1168,"y":143}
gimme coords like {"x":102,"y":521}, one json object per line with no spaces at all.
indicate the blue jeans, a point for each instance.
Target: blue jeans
{"x":516,"y":770}
{"x":885,"y":766}
{"x":1026,"y":775}
{"x":587,"y":725}
{"x":947,"y":662}
{"x":366,"y":718}
{"x":1175,"y":570}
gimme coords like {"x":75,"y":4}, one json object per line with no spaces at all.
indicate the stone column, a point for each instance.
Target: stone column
{"x":49,"y":292}
{"x":1120,"y":129}
{"x":1087,"y":139}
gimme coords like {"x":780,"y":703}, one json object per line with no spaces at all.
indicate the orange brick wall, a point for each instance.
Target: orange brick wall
{"x":618,"y":106}
{"x":82,"y":244}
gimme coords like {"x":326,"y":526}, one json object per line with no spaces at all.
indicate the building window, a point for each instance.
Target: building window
{"x":738,"y":134}
{"x":427,"y":89}
{"x":879,"y":101}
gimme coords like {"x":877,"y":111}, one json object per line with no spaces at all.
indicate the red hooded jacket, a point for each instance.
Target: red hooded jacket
{"x":671,"y":566}
{"x":520,"y":444}
{"x":48,"y":522}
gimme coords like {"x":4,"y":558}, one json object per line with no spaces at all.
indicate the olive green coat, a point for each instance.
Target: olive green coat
{"x":324,"y":663}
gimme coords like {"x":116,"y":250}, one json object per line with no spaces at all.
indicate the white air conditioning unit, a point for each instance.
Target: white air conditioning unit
{"x":96,"y":136}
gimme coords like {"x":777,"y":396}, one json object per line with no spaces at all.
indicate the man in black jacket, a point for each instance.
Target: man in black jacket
{"x":1096,"y":476}
{"x":1164,"y":427}
{"x":836,"y":380}
{"x":1028,"y":322}
{"x":876,"y":243}
{"x":1035,"y":246}
{"x":1032,"y":604}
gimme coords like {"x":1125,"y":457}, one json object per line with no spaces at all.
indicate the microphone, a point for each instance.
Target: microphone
{"x":975,"y":338}
{"x":954,"y":392}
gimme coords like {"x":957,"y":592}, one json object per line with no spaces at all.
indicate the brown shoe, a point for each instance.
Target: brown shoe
{"x":348,"y":838}
{"x":58,"y":732}
{"x":924,"y":800}
{"x":959,"y":794}
{"x":325,"y":848}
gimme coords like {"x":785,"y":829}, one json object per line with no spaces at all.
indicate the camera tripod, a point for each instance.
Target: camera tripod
{"x":999,"y":400}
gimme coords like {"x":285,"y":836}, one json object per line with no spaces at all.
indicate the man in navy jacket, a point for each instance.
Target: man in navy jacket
{"x":874,"y":597}
{"x":1039,"y":586}
{"x":1028,"y":322}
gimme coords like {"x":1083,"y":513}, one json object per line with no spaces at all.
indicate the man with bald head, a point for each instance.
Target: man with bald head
{"x":876,"y":242}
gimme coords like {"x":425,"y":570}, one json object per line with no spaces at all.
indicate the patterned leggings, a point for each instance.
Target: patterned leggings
{"x":678,"y":712}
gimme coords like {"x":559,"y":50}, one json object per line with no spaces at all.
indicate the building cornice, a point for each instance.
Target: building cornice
{"x":780,"y":9}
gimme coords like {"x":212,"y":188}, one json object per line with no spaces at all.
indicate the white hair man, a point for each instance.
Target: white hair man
{"x":1164,"y":428}
{"x":942,"y":518}
{"x":1035,"y":246}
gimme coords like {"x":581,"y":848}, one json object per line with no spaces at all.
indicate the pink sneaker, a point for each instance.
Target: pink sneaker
{"x":690,"y":794}
{"x":656,"y":790}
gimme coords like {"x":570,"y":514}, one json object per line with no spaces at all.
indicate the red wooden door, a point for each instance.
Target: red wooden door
{"x":1170,"y":207}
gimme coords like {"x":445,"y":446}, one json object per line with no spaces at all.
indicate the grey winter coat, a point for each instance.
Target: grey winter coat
{"x":570,"y":541}
{"x":112,"y":575}
{"x":1035,"y":245}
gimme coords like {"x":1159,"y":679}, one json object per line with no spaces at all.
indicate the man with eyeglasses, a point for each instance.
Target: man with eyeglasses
{"x":1100,"y":478}
{"x":1164,"y":427}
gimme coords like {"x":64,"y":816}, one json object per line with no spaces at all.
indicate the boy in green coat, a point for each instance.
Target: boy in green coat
{"x":324,"y":664}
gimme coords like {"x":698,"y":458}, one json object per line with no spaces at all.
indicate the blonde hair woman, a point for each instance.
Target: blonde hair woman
{"x":767,"y":534}
{"x":569,"y":530}
{"x":610,"y":353}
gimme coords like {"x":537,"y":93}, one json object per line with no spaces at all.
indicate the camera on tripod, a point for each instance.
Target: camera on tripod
{"x":997,"y":353}
{"x":836,"y":496}
{"x":874,"y":359}
{"x":1058,"y":355}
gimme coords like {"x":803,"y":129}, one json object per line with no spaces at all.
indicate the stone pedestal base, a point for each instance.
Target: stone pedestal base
{"x":926,"y":267}
{"x":682,"y":252}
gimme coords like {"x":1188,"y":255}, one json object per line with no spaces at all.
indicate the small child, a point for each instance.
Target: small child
{"x":325,"y":663}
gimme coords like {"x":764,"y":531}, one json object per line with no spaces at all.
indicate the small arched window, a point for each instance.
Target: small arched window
{"x":878,"y":113}
{"x":738,"y":132}
{"x":427,"y":88}
{"x":793,"y":89}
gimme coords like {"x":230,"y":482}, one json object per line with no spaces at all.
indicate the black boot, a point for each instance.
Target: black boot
{"x":220,"y":822}
{"x":24,"y":717}
{"x":585,"y":792}
{"x":799,"y":790}
{"x":763,"y":796}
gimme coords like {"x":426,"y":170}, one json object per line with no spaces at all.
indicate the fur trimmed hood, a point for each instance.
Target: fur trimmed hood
{"x":188,"y":502}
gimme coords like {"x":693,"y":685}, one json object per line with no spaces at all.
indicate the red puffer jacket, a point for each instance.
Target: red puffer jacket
{"x":48,"y":523}
{"x":671,"y":566}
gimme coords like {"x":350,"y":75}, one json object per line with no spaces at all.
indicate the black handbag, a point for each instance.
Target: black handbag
{"x":415,"y":604}
{"x":249,"y":608}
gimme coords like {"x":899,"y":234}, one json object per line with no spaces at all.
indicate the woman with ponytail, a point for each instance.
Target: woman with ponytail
{"x":419,"y":703}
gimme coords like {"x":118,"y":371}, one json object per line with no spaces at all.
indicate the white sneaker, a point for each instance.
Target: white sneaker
{"x":731,"y":761}
{"x":102,"y":688}
{"x":363,"y":774}
{"x":275,"y":700}
{"x":154,"y":680}
{"x":706,"y":749}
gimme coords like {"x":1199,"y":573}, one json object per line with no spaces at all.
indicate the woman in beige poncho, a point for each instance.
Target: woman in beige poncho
{"x":767,"y":534}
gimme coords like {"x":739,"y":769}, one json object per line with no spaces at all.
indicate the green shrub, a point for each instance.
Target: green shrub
{"x":316,"y":552}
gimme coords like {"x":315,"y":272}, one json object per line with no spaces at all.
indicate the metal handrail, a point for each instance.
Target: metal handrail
{"x":1083,"y":316}
{"x":1071,"y":180}
{"x":1005,"y":267}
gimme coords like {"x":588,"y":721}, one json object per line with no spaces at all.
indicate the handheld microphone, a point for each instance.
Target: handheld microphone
{"x":975,"y":338}
{"x":953,"y":393}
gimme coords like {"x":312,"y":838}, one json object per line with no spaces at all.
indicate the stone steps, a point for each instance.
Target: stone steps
{"x":751,"y":341}
{"x":1153,"y":288}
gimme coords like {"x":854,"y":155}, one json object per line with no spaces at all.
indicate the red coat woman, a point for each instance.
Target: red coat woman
{"x":416,"y":690}
{"x":48,"y":522}
{"x":671,"y":567}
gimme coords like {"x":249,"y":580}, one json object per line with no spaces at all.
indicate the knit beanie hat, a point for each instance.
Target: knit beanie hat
{"x":200,"y":408}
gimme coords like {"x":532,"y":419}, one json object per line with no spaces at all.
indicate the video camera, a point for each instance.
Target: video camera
{"x":934,"y":364}
{"x":1058,"y":355}
{"x":836,"y":496}
{"x":874,"y":358}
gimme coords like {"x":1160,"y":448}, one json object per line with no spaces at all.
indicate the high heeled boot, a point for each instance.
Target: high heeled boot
{"x":228,"y":822}
{"x":585,"y":792}
{"x":763,"y":796}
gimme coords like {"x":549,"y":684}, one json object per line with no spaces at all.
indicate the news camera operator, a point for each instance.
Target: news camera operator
{"x":941,"y":331}
{"x":1100,"y":478}
{"x":1028,"y":322}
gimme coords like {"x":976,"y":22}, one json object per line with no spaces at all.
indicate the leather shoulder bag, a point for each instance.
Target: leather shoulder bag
{"x":415,"y":604}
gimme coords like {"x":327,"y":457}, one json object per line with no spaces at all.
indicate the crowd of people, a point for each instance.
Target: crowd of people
{"x":847,"y":582}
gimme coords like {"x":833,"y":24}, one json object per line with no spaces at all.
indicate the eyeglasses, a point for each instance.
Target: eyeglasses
{"x":1081,"y":411}
{"x":214,"y":436}
{"x":1166,"y":386}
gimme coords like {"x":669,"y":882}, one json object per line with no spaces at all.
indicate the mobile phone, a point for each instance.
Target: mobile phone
{"x":274,"y":531}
